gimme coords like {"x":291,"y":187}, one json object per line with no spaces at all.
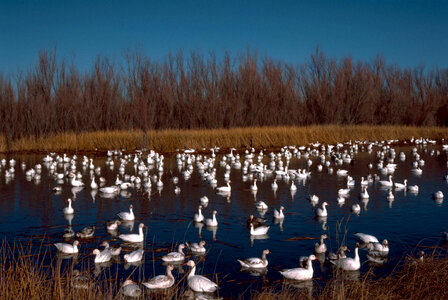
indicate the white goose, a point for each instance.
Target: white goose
{"x":127,"y":216}
{"x":261,"y":205}
{"x":364,"y":194}
{"x":67,"y":248}
{"x":401,"y":186}
{"x":134,"y":256}
{"x":113,"y":251}
{"x":381,"y":248}
{"x":161,"y":281}
{"x":349,"y":263}
{"x":386,"y":183}
{"x":199,"y":283}
{"x":212,"y":222}
{"x":199,"y":217}
{"x":197,"y":247}
{"x":322,"y":211}
{"x":278,"y":214}
{"x":175,"y":256}
{"x":69,"y":209}
{"x":132,"y":237}
{"x":260,"y":230}
{"x":274,"y":185}
{"x":75,"y":182}
{"x":356,"y":208}
{"x":343,"y":192}
{"x":366,"y":238}
{"x":438,"y":195}
{"x":321,"y":247}
{"x":255,"y":262}
{"x":390,"y":196}
{"x":254,"y":187}
{"x":300,"y":273}
{"x":93,"y":184}
{"x":413,"y":188}
{"x":293,"y":187}
{"x":225,"y":189}
{"x":101,"y":256}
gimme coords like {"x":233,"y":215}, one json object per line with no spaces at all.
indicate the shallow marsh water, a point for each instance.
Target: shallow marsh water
{"x":30,"y":211}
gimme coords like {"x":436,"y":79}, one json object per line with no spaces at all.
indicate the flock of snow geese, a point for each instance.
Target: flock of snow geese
{"x":252,"y":165}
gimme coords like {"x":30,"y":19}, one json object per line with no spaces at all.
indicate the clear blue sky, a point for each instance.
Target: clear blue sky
{"x":408,"y":33}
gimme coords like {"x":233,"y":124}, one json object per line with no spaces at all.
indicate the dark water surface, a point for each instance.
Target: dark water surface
{"x":31,"y":211}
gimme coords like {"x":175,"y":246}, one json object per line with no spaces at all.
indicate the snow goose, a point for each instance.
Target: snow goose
{"x":69,"y":209}
{"x":356,"y":208}
{"x":349,"y":263}
{"x":67,"y":248}
{"x":438,"y":195}
{"x":300,"y":273}
{"x":87,"y":232}
{"x":343,"y":192}
{"x":322,"y":211}
{"x":132,"y":237}
{"x":255,"y":262}
{"x":261,"y":230}
{"x":204,"y":200}
{"x":321,"y":247}
{"x":199,"y":217}
{"x":224,"y":189}
{"x":293,"y":187}
{"x":364,"y":194}
{"x":366,"y":238}
{"x":93,"y":184}
{"x":199,"y":283}
{"x":76,"y":183}
{"x":278,"y":214}
{"x":130,"y":289}
{"x":378,"y":248}
{"x":413,"y":188}
{"x":134,"y":256}
{"x":212,"y":222}
{"x":113,"y":225}
{"x":340,"y":254}
{"x":101,"y":256}
{"x":390,"y":196}
{"x":261,"y":205}
{"x":197,"y":247}
{"x":254,"y":187}
{"x":175,"y":256}
{"x":274,"y":185}
{"x":113,"y":251}
{"x":386,"y":183}
{"x":127,"y":216}
{"x":401,"y":186}
{"x":161,"y":281}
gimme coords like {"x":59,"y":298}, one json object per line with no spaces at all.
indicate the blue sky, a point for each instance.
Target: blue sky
{"x":408,"y":33}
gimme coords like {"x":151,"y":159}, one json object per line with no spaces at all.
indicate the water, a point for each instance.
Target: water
{"x":31,"y":211}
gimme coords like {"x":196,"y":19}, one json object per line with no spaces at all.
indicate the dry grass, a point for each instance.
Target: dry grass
{"x":427,"y":280}
{"x":26,"y":276}
{"x":258,"y":137}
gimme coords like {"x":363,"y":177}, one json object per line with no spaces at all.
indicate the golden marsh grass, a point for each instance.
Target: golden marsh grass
{"x":257,"y":137}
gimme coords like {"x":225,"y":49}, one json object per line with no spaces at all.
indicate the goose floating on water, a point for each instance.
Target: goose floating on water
{"x":300,"y":273}
{"x":199,"y":283}
{"x":161,"y":281}
{"x":255,"y":262}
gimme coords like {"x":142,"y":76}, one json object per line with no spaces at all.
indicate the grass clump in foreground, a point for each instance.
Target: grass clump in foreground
{"x":257,"y":137}
{"x":24,"y":275}
{"x":422,"y":280}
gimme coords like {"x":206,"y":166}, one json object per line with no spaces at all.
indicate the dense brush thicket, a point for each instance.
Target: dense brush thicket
{"x":202,"y":91}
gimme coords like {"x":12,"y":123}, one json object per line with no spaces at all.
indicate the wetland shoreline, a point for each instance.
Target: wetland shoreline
{"x":168,"y":141}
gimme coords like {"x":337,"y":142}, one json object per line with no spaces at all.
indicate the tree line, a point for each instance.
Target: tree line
{"x":201,"y":91}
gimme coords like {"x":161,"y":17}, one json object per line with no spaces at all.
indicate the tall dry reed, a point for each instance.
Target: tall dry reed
{"x":258,"y":137}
